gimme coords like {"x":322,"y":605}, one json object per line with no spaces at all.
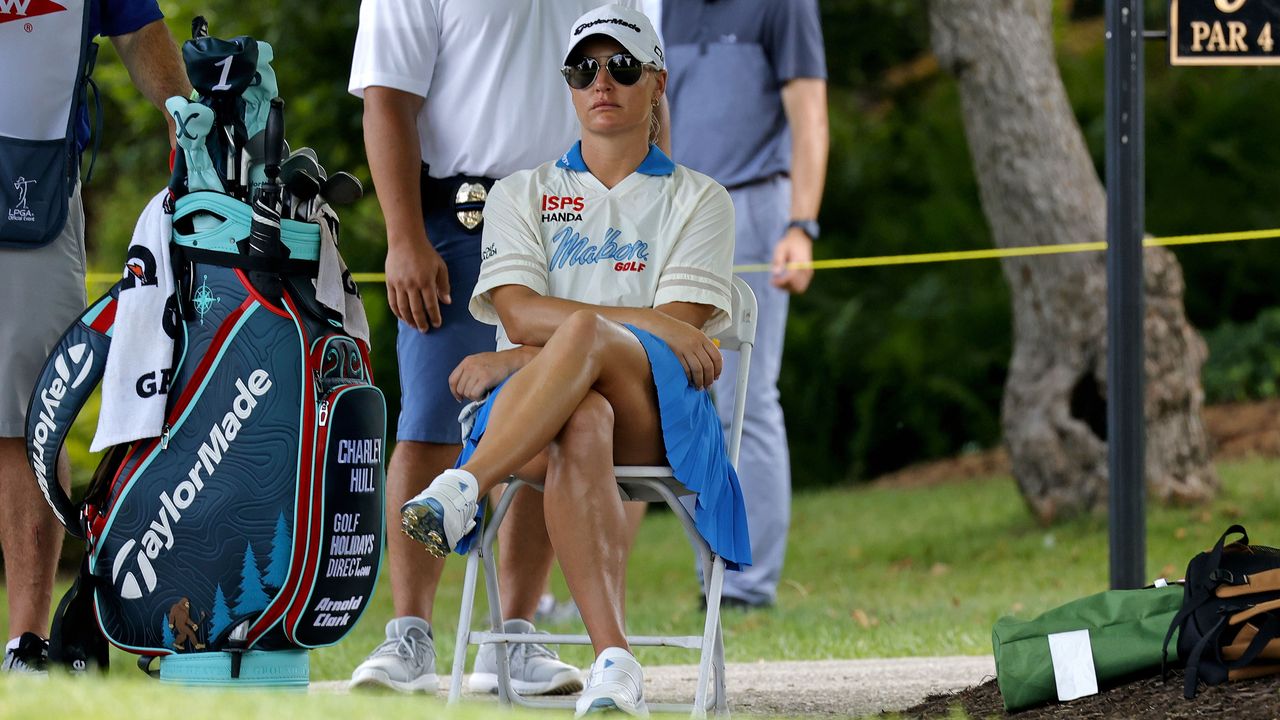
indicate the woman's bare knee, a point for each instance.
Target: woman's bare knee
{"x":580,"y":331}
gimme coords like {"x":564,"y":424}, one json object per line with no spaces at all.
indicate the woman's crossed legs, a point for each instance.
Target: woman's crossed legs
{"x":584,"y":404}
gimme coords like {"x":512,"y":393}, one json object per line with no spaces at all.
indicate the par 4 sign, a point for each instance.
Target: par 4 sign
{"x":1224,"y":32}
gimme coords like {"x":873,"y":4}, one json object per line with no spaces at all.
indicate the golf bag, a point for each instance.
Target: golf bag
{"x":254,"y":520}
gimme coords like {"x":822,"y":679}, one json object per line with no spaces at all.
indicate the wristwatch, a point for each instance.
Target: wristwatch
{"x":808,"y":227}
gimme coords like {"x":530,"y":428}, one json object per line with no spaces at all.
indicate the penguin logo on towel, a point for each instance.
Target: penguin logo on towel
{"x":139,"y":268}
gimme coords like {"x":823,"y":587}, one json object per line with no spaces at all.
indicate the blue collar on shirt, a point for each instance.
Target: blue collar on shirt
{"x":655,"y":163}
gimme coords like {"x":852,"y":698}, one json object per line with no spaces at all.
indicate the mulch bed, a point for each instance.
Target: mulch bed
{"x":1236,"y":430}
{"x":1244,"y":700}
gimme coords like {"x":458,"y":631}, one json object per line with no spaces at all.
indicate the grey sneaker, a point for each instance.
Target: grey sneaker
{"x":31,"y":656}
{"x":535,"y":668}
{"x":553,"y":612}
{"x":406,"y":661}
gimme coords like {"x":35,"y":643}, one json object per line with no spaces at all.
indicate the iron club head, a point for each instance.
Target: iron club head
{"x":342,"y":188}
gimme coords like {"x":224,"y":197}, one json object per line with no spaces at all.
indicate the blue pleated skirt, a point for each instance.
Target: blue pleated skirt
{"x":695,"y":451}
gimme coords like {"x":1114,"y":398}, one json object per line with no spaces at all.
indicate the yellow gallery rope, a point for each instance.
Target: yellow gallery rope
{"x":916,"y":258}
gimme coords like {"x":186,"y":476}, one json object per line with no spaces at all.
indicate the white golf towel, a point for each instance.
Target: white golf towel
{"x":335,"y":288}
{"x":133,"y":408}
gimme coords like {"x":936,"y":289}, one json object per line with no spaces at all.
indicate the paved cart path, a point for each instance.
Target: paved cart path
{"x":820,"y":688}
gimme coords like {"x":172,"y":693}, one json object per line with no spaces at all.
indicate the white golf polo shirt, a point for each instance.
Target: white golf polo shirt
{"x":490,"y":73}
{"x":664,"y":234}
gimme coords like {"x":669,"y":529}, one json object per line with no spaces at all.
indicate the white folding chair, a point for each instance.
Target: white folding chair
{"x":648,"y":483}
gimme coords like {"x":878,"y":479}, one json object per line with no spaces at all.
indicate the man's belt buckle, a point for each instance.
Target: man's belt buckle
{"x":468,"y":203}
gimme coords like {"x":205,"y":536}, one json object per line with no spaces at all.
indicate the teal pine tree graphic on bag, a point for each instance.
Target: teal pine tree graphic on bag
{"x":166,"y":632}
{"x":252,"y":598}
{"x":281,"y":548}
{"x":221,"y":614}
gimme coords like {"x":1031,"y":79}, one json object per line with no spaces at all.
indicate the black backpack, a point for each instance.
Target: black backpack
{"x":1230,"y":618}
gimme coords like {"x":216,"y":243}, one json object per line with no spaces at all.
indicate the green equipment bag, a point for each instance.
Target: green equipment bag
{"x":1068,"y":652}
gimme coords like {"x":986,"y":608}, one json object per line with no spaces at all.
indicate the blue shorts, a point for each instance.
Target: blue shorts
{"x":428,"y":412}
{"x":695,"y":448}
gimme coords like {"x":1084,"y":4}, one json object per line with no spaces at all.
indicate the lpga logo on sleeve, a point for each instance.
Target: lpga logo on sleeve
{"x":573,"y":248}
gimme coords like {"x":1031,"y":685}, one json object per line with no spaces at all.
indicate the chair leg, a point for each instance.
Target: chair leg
{"x":495,"y":620}
{"x":487,"y":542}
{"x":464,"y":623}
{"x":722,"y":682}
{"x":710,"y":632}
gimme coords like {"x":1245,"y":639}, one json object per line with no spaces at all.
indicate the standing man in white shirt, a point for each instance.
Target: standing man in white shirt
{"x":458,"y":93}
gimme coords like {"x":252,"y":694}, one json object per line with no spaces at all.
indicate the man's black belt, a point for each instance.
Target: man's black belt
{"x":756,"y":181}
{"x":463,"y":195}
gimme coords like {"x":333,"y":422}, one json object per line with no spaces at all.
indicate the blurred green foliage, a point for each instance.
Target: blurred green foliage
{"x":1246,"y":359}
{"x":883,"y":367}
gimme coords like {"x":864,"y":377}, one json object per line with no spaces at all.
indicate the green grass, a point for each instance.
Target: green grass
{"x":136,"y":698}
{"x":877,"y":572}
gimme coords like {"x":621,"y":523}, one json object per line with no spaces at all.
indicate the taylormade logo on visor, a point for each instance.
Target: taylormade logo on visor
{"x":159,"y":536}
{"x":50,"y":399}
{"x":605,"y":21}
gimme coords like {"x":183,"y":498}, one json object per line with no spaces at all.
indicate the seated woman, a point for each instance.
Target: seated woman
{"x":605,"y":272}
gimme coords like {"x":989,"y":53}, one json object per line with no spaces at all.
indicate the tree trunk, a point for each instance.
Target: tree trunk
{"x":1039,"y":187}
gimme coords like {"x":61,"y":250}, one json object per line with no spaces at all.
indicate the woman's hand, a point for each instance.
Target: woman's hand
{"x":478,"y":374}
{"x":697,"y":353}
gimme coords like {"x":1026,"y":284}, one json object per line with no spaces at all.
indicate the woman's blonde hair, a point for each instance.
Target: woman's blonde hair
{"x":655,"y":124}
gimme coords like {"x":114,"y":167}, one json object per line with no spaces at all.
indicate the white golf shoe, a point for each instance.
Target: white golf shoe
{"x":440,"y":516}
{"x":616,"y":682}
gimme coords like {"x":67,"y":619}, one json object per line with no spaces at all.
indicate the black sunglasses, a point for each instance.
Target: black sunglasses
{"x":622,"y":67}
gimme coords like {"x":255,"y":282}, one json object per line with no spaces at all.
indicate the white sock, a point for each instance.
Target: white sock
{"x":611,"y":653}
{"x":12,"y":644}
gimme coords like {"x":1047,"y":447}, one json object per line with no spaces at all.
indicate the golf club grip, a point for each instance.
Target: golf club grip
{"x":178,"y":174}
{"x":264,"y":238}
{"x":273,"y":139}
{"x":264,"y":230}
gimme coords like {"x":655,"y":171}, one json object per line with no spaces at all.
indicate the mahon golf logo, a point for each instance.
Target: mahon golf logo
{"x":160,"y":534}
{"x":77,"y":360}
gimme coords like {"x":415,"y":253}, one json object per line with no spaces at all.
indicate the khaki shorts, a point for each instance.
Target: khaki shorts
{"x":41,"y":294}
